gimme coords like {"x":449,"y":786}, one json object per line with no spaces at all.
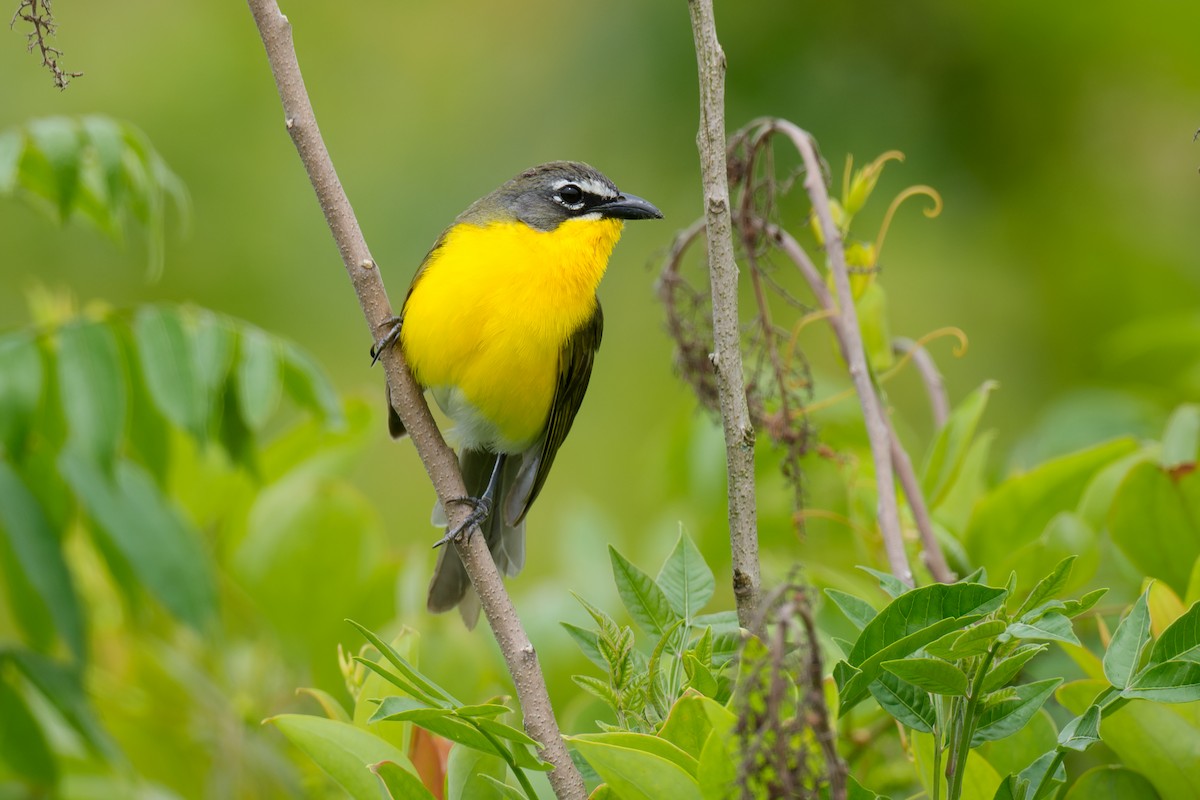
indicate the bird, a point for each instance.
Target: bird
{"x":501,"y":325}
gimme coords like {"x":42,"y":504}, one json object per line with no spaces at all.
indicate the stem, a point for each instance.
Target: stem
{"x":939,"y":405}
{"x":512,"y":764}
{"x":723,"y":276}
{"x":895,"y":450}
{"x":888,"y":511}
{"x":409,"y":401}
{"x":966,"y":730}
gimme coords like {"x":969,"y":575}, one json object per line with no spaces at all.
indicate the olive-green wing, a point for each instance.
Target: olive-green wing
{"x":574,"y":371}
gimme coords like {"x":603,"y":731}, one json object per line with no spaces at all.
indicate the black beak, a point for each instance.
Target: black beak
{"x":628,"y":206}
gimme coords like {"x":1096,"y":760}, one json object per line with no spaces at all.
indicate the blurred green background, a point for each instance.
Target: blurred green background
{"x":1059,"y":137}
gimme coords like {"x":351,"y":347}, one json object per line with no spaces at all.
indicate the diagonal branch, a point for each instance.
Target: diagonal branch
{"x":934,"y":557}
{"x":409,"y":401}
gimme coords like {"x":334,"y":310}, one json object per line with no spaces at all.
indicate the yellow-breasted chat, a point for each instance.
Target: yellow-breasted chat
{"x":501,"y":324}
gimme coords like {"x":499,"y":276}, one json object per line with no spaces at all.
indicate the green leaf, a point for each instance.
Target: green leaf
{"x":506,"y":732}
{"x":20,"y":390}
{"x":1181,"y":439}
{"x":150,"y":535}
{"x":23,"y":746}
{"x":908,"y":623}
{"x":307,"y":384}
{"x":1048,"y":587}
{"x":1083,"y":731}
{"x":1169,"y":682}
{"x":646,"y":602}
{"x":1017,"y":511}
{"x":909,"y":705}
{"x":587,"y":642}
{"x":953,"y":442}
{"x":38,"y":553}
{"x":166,"y":360}
{"x":467,"y":771}
{"x":1152,"y":521}
{"x":62,"y":685}
{"x":1129,"y":640}
{"x":976,"y":640}
{"x":643,"y":742}
{"x":399,"y":783}
{"x":329,"y":704}
{"x":890,"y":584}
{"x":687,"y":725}
{"x":342,"y":750}
{"x":92,"y":388}
{"x":57,"y":141}
{"x":430,"y":689}
{"x":1181,"y":639}
{"x":1036,"y":773}
{"x":1052,"y":627}
{"x":1156,"y":741}
{"x":1073,"y":608}
{"x":930,"y":674}
{"x":12,"y":144}
{"x":1005,"y":670}
{"x":639,"y":773}
{"x":437,"y":720}
{"x":685,"y":579}
{"x":979,"y":781}
{"x":1007,"y":716}
{"x":259,"y":376}
{"x":1111,"y":782}
{"x":859,"y":612}
{"x":699,"y":676}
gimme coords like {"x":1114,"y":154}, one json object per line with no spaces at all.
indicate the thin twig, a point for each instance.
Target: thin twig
{"x":409,"y":402}
{"x":850,"y":339}
{"x":939,"y":404}
{"x":44,"y":29}
{"x":723,"y":275}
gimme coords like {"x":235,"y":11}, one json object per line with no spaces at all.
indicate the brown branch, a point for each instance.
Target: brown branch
{"x":723,"y":276}
{"x":44,"y":29}
{"x":934,"y":558}
{"x":409,"y":401}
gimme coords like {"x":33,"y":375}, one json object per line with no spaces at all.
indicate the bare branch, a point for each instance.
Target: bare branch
{"x":939,"y":405}
{"x":934,"y":557}
{"x":409,"y":401}
{"x":723,"y":275}
{"x":41,"y":18}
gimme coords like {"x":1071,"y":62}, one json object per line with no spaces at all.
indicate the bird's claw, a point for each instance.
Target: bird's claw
{"x":481,"y":509}
{"x":388,"y":339}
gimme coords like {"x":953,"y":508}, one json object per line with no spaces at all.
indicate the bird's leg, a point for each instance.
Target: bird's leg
{"x":388,"y":339}
{"x":481,"y":507}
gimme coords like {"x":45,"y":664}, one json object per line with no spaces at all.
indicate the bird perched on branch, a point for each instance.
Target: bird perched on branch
{"x":501,"y":324}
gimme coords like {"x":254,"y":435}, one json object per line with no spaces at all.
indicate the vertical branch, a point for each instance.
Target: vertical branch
{"x":437,"y":457}
{"x":723,"y":275}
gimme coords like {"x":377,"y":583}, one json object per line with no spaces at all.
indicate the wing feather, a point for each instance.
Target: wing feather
{"x":574,"y":371}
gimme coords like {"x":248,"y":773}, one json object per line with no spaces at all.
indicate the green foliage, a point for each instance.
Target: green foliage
{"x":690,"y":650}
{"x":94,"y":167}
{"x":943,"y":660}
{"x":113,"y":424}
{"x":351,"y":748}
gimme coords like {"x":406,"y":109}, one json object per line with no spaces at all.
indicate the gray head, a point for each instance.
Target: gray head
{"x":547,"y":195}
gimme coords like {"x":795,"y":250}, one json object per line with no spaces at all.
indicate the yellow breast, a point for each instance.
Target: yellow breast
{"x":487,"y":318}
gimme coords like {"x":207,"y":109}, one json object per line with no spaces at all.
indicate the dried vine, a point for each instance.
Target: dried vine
{"x":40,"y":17}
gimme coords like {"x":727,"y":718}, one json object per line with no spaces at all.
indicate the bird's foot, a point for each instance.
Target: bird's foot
{"x":481,"y":508}
{"x":393,"y":325}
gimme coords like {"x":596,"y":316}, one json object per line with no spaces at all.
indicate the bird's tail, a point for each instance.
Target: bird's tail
{"x":450,"y":586}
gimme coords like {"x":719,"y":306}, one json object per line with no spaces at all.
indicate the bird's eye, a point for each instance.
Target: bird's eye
{"x":570,"y":194}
